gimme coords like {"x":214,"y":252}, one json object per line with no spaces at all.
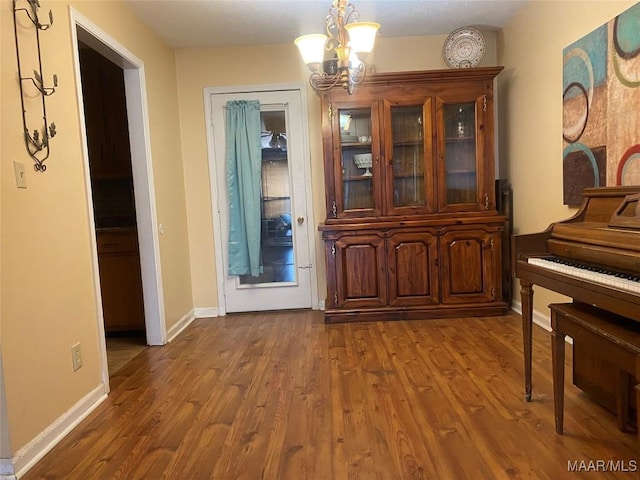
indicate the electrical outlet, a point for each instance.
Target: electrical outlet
{"x":21,"y":177}
{"x":76,"y":357}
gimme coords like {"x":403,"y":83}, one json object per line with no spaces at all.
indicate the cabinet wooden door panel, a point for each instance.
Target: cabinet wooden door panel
{"x":467,"y":264}
{"x":121,"y":295}
{"x":360,"y":271}
{"x":120,"y":280}
{"x":413,"y":276}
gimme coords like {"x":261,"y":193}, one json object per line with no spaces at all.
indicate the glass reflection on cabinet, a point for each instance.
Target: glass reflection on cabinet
{"x":408,"y":156}
{"x":460,"y":153}
{"x":357,"y":161}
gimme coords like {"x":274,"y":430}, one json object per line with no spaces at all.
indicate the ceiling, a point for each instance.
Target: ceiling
{"x":215,"y":23}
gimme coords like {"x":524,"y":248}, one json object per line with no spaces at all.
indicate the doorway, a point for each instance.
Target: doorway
{"x":142,"y":191}
{"x":288,"y":278}
{"x":114,"y":212}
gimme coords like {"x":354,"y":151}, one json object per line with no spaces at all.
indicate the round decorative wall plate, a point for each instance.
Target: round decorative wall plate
{"x":464,"y":48}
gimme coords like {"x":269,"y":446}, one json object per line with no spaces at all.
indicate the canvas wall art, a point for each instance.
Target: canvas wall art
{"x":601,"y":107}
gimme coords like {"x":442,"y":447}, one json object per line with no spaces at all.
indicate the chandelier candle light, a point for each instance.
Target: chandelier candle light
{"x":349,"y":42}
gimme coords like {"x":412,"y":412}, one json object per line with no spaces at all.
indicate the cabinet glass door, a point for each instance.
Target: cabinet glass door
{"x":460,"y":166}
{"x":409,"y":169}
{"x":358,"y":173}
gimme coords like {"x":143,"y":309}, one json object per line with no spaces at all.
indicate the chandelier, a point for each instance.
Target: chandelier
{"x":348,"y":43}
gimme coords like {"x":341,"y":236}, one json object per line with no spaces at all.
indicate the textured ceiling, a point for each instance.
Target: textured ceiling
{"x":209,"y":23}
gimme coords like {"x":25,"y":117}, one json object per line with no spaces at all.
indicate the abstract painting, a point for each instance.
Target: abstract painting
{"x":601,"y":107}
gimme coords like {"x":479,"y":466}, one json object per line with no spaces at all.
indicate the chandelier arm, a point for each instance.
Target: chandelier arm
{"x":331,"y":44}
{"x":357,"y":74}
{"x":350,"y":14}
{"x":317,"y":81}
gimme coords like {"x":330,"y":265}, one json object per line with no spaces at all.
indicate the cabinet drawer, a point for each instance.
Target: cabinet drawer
{"x":117,"y":242}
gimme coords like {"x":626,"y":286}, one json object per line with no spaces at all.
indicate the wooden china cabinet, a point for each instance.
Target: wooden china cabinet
{"x":412,"y":229}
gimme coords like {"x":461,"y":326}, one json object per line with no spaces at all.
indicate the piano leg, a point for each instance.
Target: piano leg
{"x":557,"y":356}
{"x":526,"y":297}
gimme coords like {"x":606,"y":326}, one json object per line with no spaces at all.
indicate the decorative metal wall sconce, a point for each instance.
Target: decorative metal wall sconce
{"x":37,"y":142}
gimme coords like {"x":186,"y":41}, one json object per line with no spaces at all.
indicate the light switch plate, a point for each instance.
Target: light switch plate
{"x":21,"y":177}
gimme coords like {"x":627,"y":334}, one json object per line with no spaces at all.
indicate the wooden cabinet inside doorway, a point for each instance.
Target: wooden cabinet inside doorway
{"x":109,"y":152}
{"x":120,"y":280}
{"x":412,"y":229}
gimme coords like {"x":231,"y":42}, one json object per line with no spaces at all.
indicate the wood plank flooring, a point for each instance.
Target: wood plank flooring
{"x":282,"y":396}
{"x":121,"y":349}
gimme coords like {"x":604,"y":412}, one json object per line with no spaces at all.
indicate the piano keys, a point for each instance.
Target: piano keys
{"x":592,"y":257}
{"x":591,"y":273}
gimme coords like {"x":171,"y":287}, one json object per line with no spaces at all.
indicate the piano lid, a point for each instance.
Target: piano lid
{"x":596,"y":233}
{"x":608,"y":217}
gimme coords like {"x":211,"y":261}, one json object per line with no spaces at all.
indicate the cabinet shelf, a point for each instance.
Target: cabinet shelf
{"x":356,"y":144}
{"x":408,"y":176}
{"x":461,"y":172}
{"x":408,"y":143}
{"x":465,"y":139}
{"x":357,"y":178}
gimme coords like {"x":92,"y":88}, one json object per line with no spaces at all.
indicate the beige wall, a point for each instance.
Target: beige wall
{"x":273,"y":64}
{"x":48,"y":300}
{"x":530,"y":90}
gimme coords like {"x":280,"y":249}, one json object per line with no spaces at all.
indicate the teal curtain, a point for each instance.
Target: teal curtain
{"x":244,"y":171}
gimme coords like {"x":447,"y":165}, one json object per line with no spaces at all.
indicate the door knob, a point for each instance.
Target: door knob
{"x":300,"y":220}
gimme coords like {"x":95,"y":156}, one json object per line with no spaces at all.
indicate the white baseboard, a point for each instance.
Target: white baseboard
{"x":205,"y":312}
{"x":180,"y":325}
{"x":185,"y":321}
{"x":540,"y":319}
{"x":37,"y":448}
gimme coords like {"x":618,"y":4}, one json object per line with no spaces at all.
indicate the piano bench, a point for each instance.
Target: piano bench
{"x":611,"y":338}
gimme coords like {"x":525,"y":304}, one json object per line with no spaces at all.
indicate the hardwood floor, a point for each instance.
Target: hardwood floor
{"x":121,"y":349}
{"x":283,"y":396}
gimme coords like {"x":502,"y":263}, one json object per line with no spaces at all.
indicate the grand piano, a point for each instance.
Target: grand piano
{"x":592,"y":257}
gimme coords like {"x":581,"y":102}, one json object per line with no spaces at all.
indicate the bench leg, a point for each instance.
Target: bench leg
{"x":637,"y":388}
{"x":557,"y":359}
{"x":622,"y":400}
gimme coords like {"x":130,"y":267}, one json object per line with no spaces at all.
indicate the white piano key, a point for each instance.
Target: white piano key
{"x":582,"y":273}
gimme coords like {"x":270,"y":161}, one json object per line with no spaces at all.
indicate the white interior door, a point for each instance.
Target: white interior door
{"x":286,"y":279}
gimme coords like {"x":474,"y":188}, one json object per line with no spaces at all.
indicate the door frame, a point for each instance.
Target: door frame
{"x":301,"y":88}
{"x":136,"y":99}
